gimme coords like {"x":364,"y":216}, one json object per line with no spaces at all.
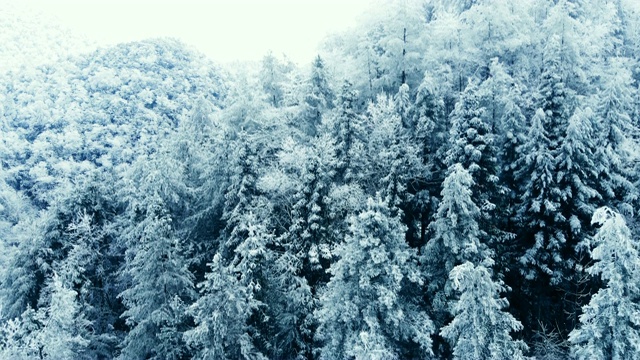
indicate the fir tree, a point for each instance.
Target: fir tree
{"x":610,"y":322}
{"x":64,"y":330}
{"x":472,"y":145}
{"x":318,"y":97}
{"x":430,"y":134}
{"x":366,"y":310}
{"x":389,"y":160}
{"x":615,"y":128}
{"x":481,"y":328}
{"x":159,"y":286}
{"x":539,"y":209}
{"x":456,"y":238}
{"x":343,"y":125}
{"x":222,"y":316}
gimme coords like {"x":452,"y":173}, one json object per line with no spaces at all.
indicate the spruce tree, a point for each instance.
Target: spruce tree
{"x":456,"y":239}
{"x":471,"y":144}
{"x":318,"y":97}
{"x":430,"y":134}
{"x":159,"y":285}
{"x":221,"y":315}
{"x":64,"y":331}
{"x":615,"y":129}
{"x":481,"y":328}
{"x":539,"y":208}
{"x":367,"y":310}
{"x":609,"y":323}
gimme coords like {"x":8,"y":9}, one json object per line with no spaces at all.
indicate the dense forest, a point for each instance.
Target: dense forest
{"x":450,"y":179}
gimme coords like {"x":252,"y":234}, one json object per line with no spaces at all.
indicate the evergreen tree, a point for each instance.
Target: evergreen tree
{"x":222,"y":316}
{"x":159,"y":285}
{"x":430,"y":126}
{"x":367,"y":310}
{"x":615,"y":129}
{"x":18,"y":337}
{"x":343,"y":125}
{"x":58,"y":330}
{"x":64,"y":330}
{"x":514,"y":136}
{"x":553,"y":95}
{"x":539,"y":209}
{"x":306,"y":242}
{"x":241,"y":188}
{"x":76,"y":239}
{"x":472,"y":145}
{"x":198,"y":150}
{"x":554,"y":176}
{"x":273,"y":75}
{"x":577,"y":178}
{"x":578,"y":173}
{"x":481,"y":328}
{"x":26,"y":271}
{"x":313,"y":171}
{"x":430,"y":134}
{"x":90,"y":268}
{"x":318,"y":97}
{"x":456,"y":238}
{"x":404,"y":106}
{"x":610,"y":322}
{"x":389,"y":160}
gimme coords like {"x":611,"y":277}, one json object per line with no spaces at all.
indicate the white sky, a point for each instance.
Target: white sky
{"x":225,"y":30}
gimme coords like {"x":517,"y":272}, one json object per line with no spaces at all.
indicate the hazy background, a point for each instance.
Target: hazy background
{"x":225,"y":30}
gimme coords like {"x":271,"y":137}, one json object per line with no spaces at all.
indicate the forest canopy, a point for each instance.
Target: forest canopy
{"x":452,"y":179}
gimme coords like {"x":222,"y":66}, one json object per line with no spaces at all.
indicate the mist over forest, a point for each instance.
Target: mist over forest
{"x":448,"y":179}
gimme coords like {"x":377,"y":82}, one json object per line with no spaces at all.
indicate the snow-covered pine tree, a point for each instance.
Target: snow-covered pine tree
{"x":547,"y":243}
{"x":429,"y":132}
{"x":578,"y":173}
{"x":513,"y":136}
{"x":200,"y":151}
{"x":615,"y":131}
{"x":471,"y":144}
{"x":90,"y":268}
{"x":504,"y":97}
{"x":610,"y":323}
{"x":481,"y":327}
{"x":456,"y":239}
{"x":390,"y":158}
{"x":539,"y":251}
{"x":431,"y":126}
{"x":64,"y":331}
{"x":221,"y":315}
{"x":306,"y":242}
{"x":318,"y":97}
{"x":18,"y":337}
{"x":159,"y":284}
{"x":75,"y":238}
{"x":370,"y":309}
{"x":404,"y":105}
{"x":57,"y":330}
{"x":540,"y":201}
{"x":577,"y":178}
{"x":345,"y":128}
{"x":242,"y":175}
{"x":273,"y":75}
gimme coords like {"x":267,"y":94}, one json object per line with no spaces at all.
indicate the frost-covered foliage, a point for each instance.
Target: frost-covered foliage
{"x":34,"y":38}
{"x":221,"y":315}
{"x":364,"y":311}
{"x":481,"y":329}
{"x":456,"y":233}
{"x":99,"y":109}
{"x":609,"y":324}
{"x":423,"y":187}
